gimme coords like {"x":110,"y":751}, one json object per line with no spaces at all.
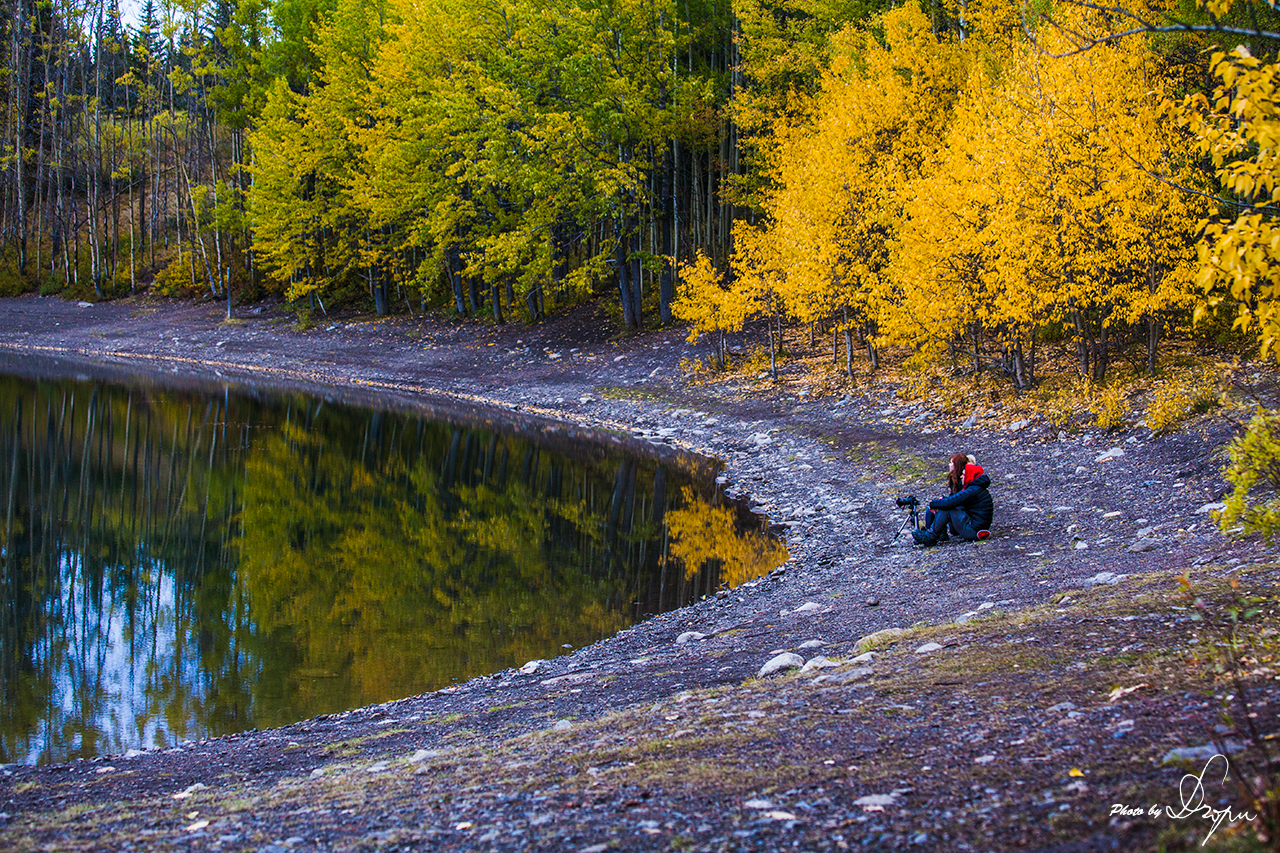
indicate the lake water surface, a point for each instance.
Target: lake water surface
{"x":177,"y":564}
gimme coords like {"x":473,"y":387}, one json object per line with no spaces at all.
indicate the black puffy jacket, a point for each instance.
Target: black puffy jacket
{"x":974,"y":499}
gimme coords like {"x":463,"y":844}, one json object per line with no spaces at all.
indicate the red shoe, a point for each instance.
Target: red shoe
{"x":983,"y":534}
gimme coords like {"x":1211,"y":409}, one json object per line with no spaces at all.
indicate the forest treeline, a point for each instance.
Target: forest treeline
{"x":500,"y":157}
{"x":1027,"y":177}
{"x":968,"y":178}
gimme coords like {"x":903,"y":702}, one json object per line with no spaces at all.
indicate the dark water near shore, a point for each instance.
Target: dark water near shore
{"x":175,"y":565}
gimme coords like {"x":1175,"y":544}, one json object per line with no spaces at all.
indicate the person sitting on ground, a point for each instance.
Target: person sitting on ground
{"x":966,"y":512}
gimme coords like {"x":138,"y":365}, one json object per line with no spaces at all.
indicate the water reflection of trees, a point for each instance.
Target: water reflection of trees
{"x":704,"y":536}
{"x":114,"y":542}
{"x":175,"y":565}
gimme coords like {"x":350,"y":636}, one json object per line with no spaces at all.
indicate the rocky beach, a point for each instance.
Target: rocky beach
{"x":1000,"y":695}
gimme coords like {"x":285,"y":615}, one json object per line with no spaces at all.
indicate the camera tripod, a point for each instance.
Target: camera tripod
{"x":913,"y":513}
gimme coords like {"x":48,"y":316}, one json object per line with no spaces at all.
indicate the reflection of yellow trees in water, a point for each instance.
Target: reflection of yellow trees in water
{"x":175,"y":566}
{"x":702,"y":534}
{"x":388,"y":579}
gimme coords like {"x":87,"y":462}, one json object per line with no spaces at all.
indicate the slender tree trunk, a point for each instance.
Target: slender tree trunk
{"x":20,"y":59}
{"x":197,"y":236}
{"x":42,"y":186}
{"x":848,"y":342}
{"x":773,"y":347}
{"x":1019,"y":375}
{"x":1153,"y":341}
{"x":623,"y":265}
{"x":133,"y":265}
{"x":1082,"y":340}
{"x":455,"y":280}
{"x":1102,"y":354}
{"x":93,"y":168}
{"x":666,"y":227}
{"x":220,"y":272}
{"x":1153,"y":318}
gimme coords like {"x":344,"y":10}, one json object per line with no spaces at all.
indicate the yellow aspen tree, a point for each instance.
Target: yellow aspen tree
{"x":709,"y":306}
{"x":884,"y":102}
{"x":758,"y":276}
{"x":1238,"y":129}
{"x":945,"y":261}
{"x":311,"y":234}
{"x":1121,"y":233}
{"x":1052,"y":204}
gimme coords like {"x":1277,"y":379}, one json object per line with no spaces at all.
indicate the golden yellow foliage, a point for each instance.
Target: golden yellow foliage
{"x":708,"y":305}
{"x":884,"y":101}
{"x":1180,"y":396}
{"x":1046,"y":206}
{"x":965,"y":196}
{"x":1109,"y":408}
{"x":1239,"y":129}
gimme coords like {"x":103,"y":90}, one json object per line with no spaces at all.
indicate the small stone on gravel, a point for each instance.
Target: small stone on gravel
{"x":856,"y":674}
{"x":780,"y":663}
{"x":807,"y":607}
{"x":884,"y":637}
{"x":819,"y":662}
{"x":1198,"y":753}
{"x":876,"y":800}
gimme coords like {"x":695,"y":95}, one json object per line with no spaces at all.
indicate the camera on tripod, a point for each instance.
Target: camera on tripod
{"x":912,"y":504}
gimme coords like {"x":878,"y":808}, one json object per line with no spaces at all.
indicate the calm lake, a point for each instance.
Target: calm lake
{"x":181,"y":564}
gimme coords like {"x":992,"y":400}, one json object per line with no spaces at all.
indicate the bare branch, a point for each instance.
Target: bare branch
{"x":1136,"y":24}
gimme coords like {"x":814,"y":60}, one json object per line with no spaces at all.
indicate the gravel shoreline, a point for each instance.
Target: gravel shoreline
{"x":479,"y":766}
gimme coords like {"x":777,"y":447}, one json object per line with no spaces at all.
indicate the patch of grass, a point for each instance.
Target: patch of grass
{"x":628,"y":393}
{"x":352,"y":747}
{"x":507,"y":707}
{"x":442,"y":719}
{"x":77,"y":810}
{"x":233,"y":805}
{"x":461,"y":734}
{"x":912,"y":466}
{"x":389,"y":732}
